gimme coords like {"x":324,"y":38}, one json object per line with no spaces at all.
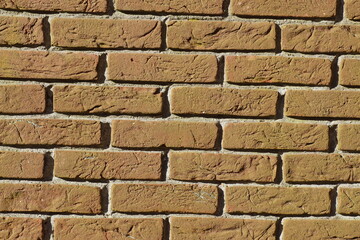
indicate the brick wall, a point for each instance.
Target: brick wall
{"x":179,"y":119}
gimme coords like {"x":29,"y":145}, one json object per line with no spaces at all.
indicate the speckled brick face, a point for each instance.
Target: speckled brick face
{"x":179,"y":119}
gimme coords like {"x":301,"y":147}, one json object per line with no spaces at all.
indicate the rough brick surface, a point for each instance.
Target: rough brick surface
{"x":277,"y":200}
{"x":107,"y":165}
{"x":352,"y":9}
{"x":26,"y":165}
{"x":184,"y":228}
{"x":110,"y":228}
{"x":349,"y":74}
{"x":277,"y":70}
{"x":49,"y":198}
{"x":223,"y":101}
{"x":348,"y":201}
{"x":105,"y":33}
{"x":220,"y":35}
{"x":222,"y":167}
{"x":348,"y":137}
{"x":163,"y":198}
{"x":135,"y":67}
{"x":13,"y":228}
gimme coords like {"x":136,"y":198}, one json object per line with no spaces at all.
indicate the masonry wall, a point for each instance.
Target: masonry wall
{"x":179,"y":119}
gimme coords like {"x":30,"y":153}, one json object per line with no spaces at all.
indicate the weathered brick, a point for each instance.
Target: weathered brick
{"x":284,"y":8}
{"x":174,"y":198}
{"x":106,"y":99}
{"x":348,"y":201}
{"x":105,"y":33}
{"x":352,"y":9}
{"x":185,"y":228}
{"x":223,"y":101}
{"x":173,"y":134}
{"x":220,"y":35}
{"x":277,"y":70}
{"x":143,"y":67}
{"x":321,"y":168}
{"x":107,"y":165}
{"x":276,"y":135}
{"x":349,"y":73}
{"x":108,"y":228}
{"x":14,"y":228}
{"x":49,"y":198}
{"x":322,"y":104}
{"x":96,"y":6}
{"x":21,"y":31}
{"x":49,"y":132}
{"x":321,"y":38}
{"x":222,"y":167}
{"x":21,"y":99}
{"x":348,"y":137}
{"x":277,"y":200}
{"x":48,"y":65}
{"x":28,"y":165}
{"x":209,"y":7}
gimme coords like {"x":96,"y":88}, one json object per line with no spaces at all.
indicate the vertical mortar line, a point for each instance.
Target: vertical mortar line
{"x":334,"y":73}
{"x":101,"y":68}
{"x":47,"y":229}
{"x":279,"y":229}
{"x":279,"y":177}
{"x":110,"y":7}
{"x":221,"y":201}
{"x":48,"y":166}
{"x":333,"y":198}
{"x":226,"y":8}
{"x":49,"y":102}
{"x":333,"y":141}
{"x":340,"y":11}
{"x":165,"y":165}
{"x":166,"y":109}
{"x":278,"y":48}
{"x":166,"y":230}
{"x":164,"y":46}
{"x":280,"y":104}
{"x":221,"y":74}
{"x":47,"y":32}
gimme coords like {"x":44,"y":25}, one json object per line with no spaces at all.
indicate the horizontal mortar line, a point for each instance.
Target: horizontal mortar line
{"x":57,"y":181}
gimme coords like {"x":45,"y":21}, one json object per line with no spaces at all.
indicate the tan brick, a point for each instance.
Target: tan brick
{"x":142,"y":67}
{"x":352,"y":9}
{"x":348,"y":137}
{"x":108,"y":228}
{"x":97,"y":6}
{"x":49,"y":132}
{"x":209,"y":7}
{"x":105,"y":33}
{"x":277,"y":200}
{"x":222,"y":167}
{"x":349,"y":73}
{"x":48,"y":65}
{"x":223,"y":101}
{"x":321,"y":38}
{"x":14,"y":228}
{"x":322,"y":104}
{"x":173,"y":134}
{"x":278,"y":70}
{"x":321,"y":168}
{"x":284,"y":8}
{"x":220,"y":35}
{"x":186,"y":228}
{"x":164,"y":198}
{"x":49,"y":198}
{"x":276,"y":135}
{"x":21,"y":31}
{"x":21,"y":99}
{"x":348,"y":201}
{"x":106,"y":99}
{"x":107,"y":165}
{"x":27,"y":165}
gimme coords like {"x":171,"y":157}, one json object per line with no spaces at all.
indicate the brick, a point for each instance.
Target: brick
{"x":209,"y":7}
{"x":21,"y":31}
{"x":26,"y":165}
{"x":90,"y":6}
{"x":321,"y":168}
{"x":21,"y":99}
{"x":14,"y":228}
{"x":348,"y":201}
{"x":322,"y":104}
{"x":107,"y":165}
{"x":108,"y":228}
{"x":164,"y":198}
{"x":277,"y":200}
{"x":49,"y":198}
{"x":105,"y":33}
{"x":304,"y":229}
{"x":223,"y":101}
{"x":190,"y":166}
{"x":49,"y":132}
{"x":278,"y":70}
{"x":48,"y":65}
{"x":348,"y":137}
{"x":220,"y":35}
{"x":173,"y":68}
{"x":106,"y":99}
{"x":352,"y":9}
{"x":349,"y":73}
{"x":172,"y":134}
{"x":276,"y":135}
{"x":321,"y":38}
{"x":185,"y":228}
{"x":284,"y":8}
